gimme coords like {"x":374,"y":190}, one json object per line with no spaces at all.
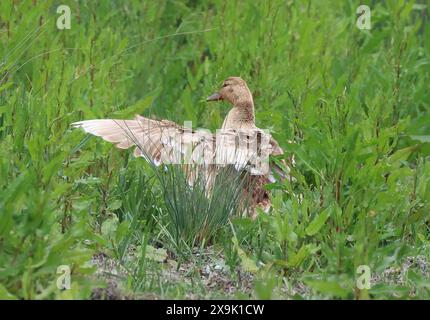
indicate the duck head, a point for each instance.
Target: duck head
{"x":235,"y":91}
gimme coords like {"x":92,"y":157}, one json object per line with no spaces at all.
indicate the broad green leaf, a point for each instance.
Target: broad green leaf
{"x":6,"y":295}
{"x":331,"y":288}
{"x":298,"y":257}
{"x":318,"y":222}
{"x":156,"y":254}
{"x":424,"y":138}
{"x":109,"y":226}
{"x":247,"y":263}
{"x":138,"y":108}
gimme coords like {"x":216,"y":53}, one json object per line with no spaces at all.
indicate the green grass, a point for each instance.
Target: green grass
{"x":356,"y":103}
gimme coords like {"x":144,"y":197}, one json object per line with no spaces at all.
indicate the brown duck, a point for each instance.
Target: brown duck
{"x":239,"y":142}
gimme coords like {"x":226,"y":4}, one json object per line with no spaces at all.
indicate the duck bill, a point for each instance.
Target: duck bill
{"x":214,"y":97}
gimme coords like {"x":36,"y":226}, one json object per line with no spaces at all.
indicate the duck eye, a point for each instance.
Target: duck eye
{"x":224,"y":85}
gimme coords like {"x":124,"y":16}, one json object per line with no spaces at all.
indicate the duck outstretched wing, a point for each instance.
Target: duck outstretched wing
{"x":165,"y":142}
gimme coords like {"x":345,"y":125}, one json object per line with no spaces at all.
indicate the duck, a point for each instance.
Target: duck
{"x":238,"y":143}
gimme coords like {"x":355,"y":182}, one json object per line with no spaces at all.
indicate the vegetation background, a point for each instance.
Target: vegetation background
{"x":355,"y":102}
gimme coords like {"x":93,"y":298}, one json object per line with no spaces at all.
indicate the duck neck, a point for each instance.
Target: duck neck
{"x":240,"y":116}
